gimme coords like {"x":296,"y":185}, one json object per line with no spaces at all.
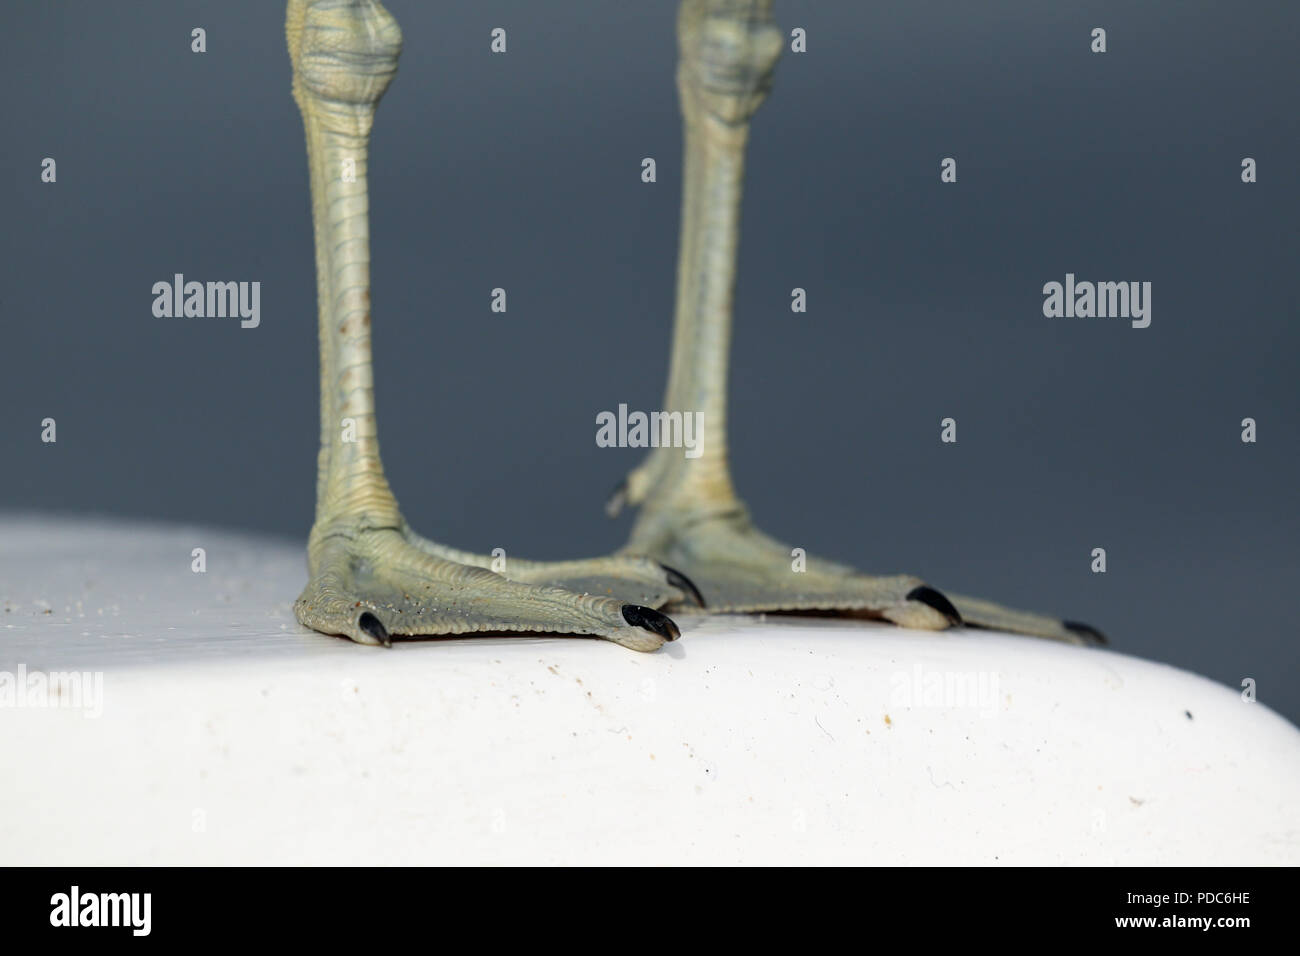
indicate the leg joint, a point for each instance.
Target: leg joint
{"x":729,"y":50}
{"x":343,"y":51}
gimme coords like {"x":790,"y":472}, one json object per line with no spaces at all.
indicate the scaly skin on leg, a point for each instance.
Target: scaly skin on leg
{"x":370,"y":576}
{"x":690,"y":516}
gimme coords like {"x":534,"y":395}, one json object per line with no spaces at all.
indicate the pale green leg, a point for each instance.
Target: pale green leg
{"x":690,"y":517}
{"x":370,"y":576}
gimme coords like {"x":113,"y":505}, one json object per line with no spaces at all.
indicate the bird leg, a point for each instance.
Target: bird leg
{"x":690,"y":516}
{"x":370,"y":576}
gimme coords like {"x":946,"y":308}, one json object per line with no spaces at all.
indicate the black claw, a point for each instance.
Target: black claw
{"x":682,"y":583}
{"x":931,"y":598}
{"x":651,"y":620}
{"x":375,"y":628}
{"x":1086,"y":631}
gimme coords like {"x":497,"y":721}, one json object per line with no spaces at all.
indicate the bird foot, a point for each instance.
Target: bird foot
{"x":373,"y":585}
{"x":740,"y":569}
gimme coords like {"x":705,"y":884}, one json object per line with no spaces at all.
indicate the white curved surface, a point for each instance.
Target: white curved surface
{"x":230,"y":735}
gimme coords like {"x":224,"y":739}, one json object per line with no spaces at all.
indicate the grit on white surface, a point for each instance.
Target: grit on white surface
{"x":230,"y":735}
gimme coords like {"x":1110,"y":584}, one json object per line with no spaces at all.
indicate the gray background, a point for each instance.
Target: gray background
{"x":522,"y":171}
